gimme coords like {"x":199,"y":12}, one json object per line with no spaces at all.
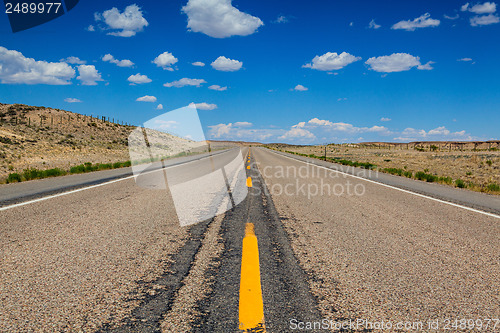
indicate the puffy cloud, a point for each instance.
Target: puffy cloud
{"x":423,"y":21}
{"x":451,"y":17}
{"x":439,"y":133}
{"x":484,"y":8}
{"x":331,"y":61}
{"x":226,"y":65}
{"x":73,"y":60}
{"x":484,"y":20}
{"x":198,"y":63}
{"x":373,"y":25}
{"x":219,"y":19}
{"x":159,"y":107}
{"x":146,"y":98}
{"x":396,"y":62}
{"x":72,"y":100}
{"x":165,"y":60}
{"x":315,"y":123}
{"x":300,"y":87}
{"x":120,"y":63}
{"x":185,"y":82}
{"x":125,"y":24}
{"x":298,"y":133}
{"x":217,"y":87}
{"x":138,"y":79}
{"x":88,"y":75}
{"x":90,"y":28}
{"x":205,"y":106}
{"x":385,"y":119}
{"x":16,"y":68}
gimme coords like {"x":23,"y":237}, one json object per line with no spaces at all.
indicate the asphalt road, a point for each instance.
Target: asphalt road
{"x":299,"y":242}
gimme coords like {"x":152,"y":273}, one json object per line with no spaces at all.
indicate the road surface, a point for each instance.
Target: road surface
{"x":307,"y":245}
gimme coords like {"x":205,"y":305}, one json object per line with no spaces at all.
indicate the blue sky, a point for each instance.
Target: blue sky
{"x":279,"y":71}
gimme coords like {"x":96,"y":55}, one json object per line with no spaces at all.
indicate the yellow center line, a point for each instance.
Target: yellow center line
{"x":248,"y":167}
{"x":249,"y":182}
{"x":251,"y":308}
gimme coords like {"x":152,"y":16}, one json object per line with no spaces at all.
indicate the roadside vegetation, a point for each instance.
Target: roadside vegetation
{"x":32,"y":173}
{"x":422,"y":175}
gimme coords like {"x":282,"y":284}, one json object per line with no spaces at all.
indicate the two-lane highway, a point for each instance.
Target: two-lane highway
{"x":305,"y":244}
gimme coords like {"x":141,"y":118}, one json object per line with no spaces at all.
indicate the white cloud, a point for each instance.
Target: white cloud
{"x":423,"y":21}
{"x":198,"y":63}
{"x":396,"y":62}
{"x":185,"y":82}
{"x":73,"y":60}
{"x":281,"y":19}
{"x":300,"y":87}
{"x":90,"y":28}
{"x":242,"y":124}
{"x":451,"y":17}
{"x":465,"y":59}
{"x":72,"y":100}
{"x":373,"y":25}
{"x":439,"y":133}
{"x":159,"y":107}
{"x":120,"y":63}
{"x":217,"y":87}
{"x":385,"y":119}
{"x":341,"y":99}
{"x":146,"y":98}
{"x":331,"y":61}
{"x":427,"y":66}
{"x":484,"y":20}
{"x":241,"y":131}
{"x":125,"y":24}
{"x":484,"y":8}
{"x":16,"y":68}
{"x":88,"y":75}
{"x":165,"y":60}
{"x":219,"y":19}
{"x":351,"y":24}
{"x":205,"y":106}
{"x":297,"y":133}
{"x":139,"y":79}
{"x":226,"y":65}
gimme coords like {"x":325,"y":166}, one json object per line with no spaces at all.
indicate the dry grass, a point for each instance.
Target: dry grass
{"x":477,"y":168}
{"x":45,"y":138}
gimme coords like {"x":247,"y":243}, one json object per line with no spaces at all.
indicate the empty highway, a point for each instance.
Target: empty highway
{"x":294,"y":244}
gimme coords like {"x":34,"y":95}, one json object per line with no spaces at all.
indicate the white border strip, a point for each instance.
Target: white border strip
{"x":395,"y":188}
{"x":24,"y":203}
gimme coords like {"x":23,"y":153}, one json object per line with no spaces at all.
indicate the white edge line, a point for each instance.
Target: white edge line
{"x":24,"y":203}
{"x":396,"y":188}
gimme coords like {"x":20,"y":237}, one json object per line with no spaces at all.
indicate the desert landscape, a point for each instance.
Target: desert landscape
{"x":45,"y":138}
{"x":470,"y":165}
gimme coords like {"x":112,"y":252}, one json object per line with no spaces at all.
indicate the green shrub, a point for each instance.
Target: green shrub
{"x":460,"y":183}
{"x":446,"y":180}
{"x":489,"y":162}
{"x":408,"y":174}
{"x":32,"y":173}
{"x":53,"y":173}
{"x":13,"y":178}
{"x":393,"y":171}
{"x":420,"y":175}
{"x":493,"y":187}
